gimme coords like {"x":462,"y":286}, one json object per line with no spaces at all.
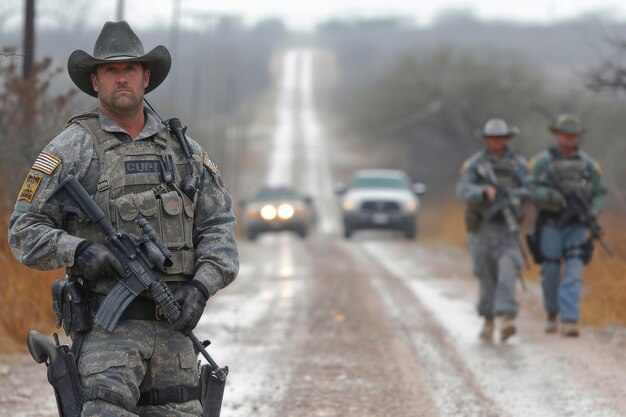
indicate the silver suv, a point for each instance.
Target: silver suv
{"x":380,"y":199}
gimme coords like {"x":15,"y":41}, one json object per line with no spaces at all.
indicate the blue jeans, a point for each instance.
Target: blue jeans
{"x":562,"y":282}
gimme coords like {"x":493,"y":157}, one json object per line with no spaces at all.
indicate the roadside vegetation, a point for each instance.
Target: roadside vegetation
{"x":28,"y":113}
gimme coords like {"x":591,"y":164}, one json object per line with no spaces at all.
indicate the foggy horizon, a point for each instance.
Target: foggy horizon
{"x":197,"y":15}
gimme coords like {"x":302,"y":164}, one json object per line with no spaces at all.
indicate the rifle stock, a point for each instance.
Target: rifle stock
{"x":504,"y":203}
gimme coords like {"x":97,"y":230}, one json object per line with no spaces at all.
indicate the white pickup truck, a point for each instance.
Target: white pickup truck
{"x":380,"y":199}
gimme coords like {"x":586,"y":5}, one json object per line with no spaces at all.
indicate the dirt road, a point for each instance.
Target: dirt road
{"x":374,"y":326}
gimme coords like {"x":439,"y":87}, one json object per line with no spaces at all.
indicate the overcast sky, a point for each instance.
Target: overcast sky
{"x":304,"y":14}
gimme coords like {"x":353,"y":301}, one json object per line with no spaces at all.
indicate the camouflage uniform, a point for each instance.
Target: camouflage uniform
{"x":580,"y":173}
{"x":124,"y":177}
{"x":495,"y":252}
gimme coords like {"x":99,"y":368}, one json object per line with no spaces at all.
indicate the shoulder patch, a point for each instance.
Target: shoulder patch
{"x":532,"y":163}
{"x":469,"y":162}
{"x":210,"y":164}
{"x":31,"y":184}
{"x":597,"y":167}
{"x":466,"y":165}
{"x":46,"y":163}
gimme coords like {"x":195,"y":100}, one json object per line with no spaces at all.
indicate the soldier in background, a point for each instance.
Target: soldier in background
{"x":488,"y":178}
{"x":564,"y":248}
{"x":125,"y":157}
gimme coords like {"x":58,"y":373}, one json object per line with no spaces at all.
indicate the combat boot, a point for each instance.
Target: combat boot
{"x":551,"y":324}
{"x":507,"y":327}
{"x":570,"y":329}
{"x":486,"y":333}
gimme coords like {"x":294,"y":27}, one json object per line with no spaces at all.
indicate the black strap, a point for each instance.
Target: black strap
{"x":178,"y":394}
{"x":102,"y":393}
{"x":139,"y":309}
{"x":575,"y":251}
{"x":551,"y":260}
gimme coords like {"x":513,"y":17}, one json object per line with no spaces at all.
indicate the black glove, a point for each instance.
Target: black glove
{"x":95,"y":261}
{"x":192,"y":298}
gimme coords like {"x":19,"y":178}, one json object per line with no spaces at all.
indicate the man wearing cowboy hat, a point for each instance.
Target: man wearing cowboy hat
{"x":495,"y":250}
{"x":131,"y":164}
{"x":564,"y":245}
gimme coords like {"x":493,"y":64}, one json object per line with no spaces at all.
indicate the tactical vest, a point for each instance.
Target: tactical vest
{"x":505,"y":170}
{"x":573,"y":173}
{"x":131,"y":183}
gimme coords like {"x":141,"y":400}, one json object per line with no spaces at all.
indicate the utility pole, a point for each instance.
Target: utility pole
{"x":29,"y":38}
{"x":120,"y":10}
{"x":174,"y":29}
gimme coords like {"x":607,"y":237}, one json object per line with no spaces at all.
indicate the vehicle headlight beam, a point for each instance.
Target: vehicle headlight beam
{"x":286,"y":211}
{"x":268,"y":212}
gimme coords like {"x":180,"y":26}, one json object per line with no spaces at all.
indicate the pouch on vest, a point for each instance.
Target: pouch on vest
{"x":129,"y":206}
{"x":170,"y":215}
{"x":173,"y":222}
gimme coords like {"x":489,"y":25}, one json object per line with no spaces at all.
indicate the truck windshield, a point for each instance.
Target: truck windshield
{"x":269,"y":195}
{"x":379,"y":182}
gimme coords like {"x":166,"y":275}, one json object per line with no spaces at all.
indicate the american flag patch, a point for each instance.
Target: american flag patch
{"x":46,"y":163}
{"x":210,"y":164}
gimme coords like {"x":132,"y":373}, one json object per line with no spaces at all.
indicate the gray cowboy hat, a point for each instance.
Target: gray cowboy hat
{"x":567,"y":123}
{"x":118,"y":43}
{"x":497,"y":127}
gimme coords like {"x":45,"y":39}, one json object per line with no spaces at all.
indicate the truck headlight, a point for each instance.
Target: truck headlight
{"x":268,"y":212}
{"x":286,"y":211}
{"x":410,"y":206}
{"x":348,"y":205}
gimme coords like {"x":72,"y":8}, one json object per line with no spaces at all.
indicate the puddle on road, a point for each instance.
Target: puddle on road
{"x":523,"y":379}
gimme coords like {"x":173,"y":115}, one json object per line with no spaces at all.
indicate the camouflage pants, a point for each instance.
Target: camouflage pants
{"x":497,"y":264}
{"x":137,"y":357}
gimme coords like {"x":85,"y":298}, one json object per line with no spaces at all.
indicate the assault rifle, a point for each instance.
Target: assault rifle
{"x":508,"y":202}
{"x":140,"y":257}
{"x":578,"y":209}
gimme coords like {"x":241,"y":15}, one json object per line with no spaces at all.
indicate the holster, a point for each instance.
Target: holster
{"x":63,"y":376}
{"x":533,"y":240}
{"x":473,"y":219}
{"x":588,"y":249}
{"x":72,"y":307}
{"x":211,"y":391}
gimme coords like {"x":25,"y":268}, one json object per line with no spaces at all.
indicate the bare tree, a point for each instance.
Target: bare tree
{"x":66,"y":15}
{"x":610,"y":75}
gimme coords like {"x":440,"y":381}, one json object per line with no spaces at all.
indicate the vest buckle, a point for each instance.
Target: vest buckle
{"x":103,"y":185}
{"x":160,"y":189}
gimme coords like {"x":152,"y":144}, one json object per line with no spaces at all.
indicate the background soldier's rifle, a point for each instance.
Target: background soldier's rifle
{"x":507,"y":202}
{"x":578,"y":209}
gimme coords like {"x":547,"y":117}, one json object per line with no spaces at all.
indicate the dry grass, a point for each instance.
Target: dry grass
{"x":25,"y":298}
{"x":604,"y":297}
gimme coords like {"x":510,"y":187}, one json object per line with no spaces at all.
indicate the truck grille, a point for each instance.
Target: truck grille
{"x":380,"y":206}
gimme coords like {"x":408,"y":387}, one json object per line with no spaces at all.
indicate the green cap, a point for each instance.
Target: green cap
{"x":567,"y":123}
